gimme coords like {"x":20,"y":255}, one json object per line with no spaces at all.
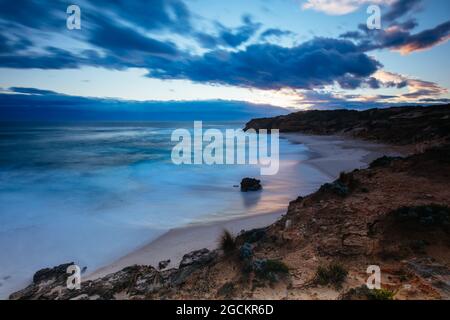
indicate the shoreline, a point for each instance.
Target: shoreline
{"x":328,"y":154}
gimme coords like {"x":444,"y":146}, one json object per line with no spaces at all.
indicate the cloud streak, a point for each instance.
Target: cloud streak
{"x":339,"y":7}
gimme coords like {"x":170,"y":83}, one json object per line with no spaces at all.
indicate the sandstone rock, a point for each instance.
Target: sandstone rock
{"x":436,"y":274}
{"x":355,"y":244}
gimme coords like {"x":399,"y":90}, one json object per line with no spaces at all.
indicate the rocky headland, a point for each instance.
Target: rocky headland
{"x":399,"y":126}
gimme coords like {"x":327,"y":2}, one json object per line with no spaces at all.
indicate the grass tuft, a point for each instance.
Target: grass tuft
{"x":268,"y":269}
{"x":227,"y":243}
{"x":334,"y":274}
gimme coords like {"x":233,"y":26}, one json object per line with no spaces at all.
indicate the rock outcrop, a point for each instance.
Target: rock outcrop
{"x":250,"y":184}
{"x":134,"y":282}
{"x":400,"y":125}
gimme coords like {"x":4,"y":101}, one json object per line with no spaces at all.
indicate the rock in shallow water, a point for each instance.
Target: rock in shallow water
{"x":250,"y":184}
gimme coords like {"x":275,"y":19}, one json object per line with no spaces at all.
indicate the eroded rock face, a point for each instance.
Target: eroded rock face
{"x":43,"y":280}
{"x":436,"y":274}
{"x":198,"y":257}
{"x":163,"y":264}
{"x":250,"y":184}
{"x":134,"y":282}
{"x":52,"y":273}
{"x":131,"y":281}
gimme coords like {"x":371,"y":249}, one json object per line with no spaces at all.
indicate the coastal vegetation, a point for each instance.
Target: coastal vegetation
{"x":333,"y":274}
{"x":227,"y":242}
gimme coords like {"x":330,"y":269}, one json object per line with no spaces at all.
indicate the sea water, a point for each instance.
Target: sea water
{"x":91,"y":192}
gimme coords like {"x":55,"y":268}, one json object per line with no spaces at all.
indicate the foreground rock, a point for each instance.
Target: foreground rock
{"x":134,"y":282}
{"x":198,"y":257}
{"x":250,"y":184}
{"x":163,"y":264}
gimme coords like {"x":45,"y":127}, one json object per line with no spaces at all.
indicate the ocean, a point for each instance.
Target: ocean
{"x":92,"y":192}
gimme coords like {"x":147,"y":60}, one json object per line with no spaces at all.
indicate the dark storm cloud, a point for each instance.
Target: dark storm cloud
{"x":228,"y":37}
{"x":52,"y":58}
{"x":274,"y":32}
{"x":407,"y":25}
{"x":401,"y":8}
{"x":123,"y":40}
{"x":51,"y":14}
{"x":123,"y":34}
{"x":398,"y":34}
{"x":151,"y":14}
{"x":318,"y":62}
{"x":32,"y":91}
{"x":401,"y":39}
{"x":107,"y":28}
{"x":425,"y":39}
{"x":32,"y":13}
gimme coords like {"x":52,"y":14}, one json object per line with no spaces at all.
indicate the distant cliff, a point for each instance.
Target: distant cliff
{"x":400,"y":125}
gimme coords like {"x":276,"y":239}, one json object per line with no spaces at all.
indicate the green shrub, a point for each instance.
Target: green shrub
{"x":380,"y":294}
{"x":254,"y":235}
{"x":432,"y":215}
{"x":333,"y":274}
{"x":276,"y":266}
{"x":246,"y":251}
{"x":227,"y":242}
{"x":383,"y":162}
{"x":364,"y":293}
{"x":337,"y":187}
{"x":268,"y":269}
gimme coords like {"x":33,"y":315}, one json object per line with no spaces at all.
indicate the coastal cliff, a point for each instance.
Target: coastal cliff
{"x":395,"y":215}
{"x":399,"y":126}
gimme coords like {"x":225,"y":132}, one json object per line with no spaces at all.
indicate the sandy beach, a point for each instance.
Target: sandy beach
{"x":329,"y":154}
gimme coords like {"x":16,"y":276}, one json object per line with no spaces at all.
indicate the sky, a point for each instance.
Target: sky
{"x":300,"y":54}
